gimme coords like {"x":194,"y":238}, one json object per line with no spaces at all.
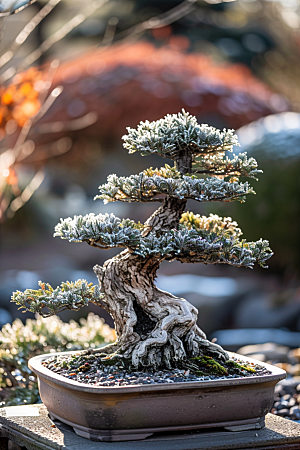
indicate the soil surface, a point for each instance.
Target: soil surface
{"x":90,"y":368}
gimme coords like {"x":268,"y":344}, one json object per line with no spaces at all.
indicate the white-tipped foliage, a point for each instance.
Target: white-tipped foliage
{"x":105,"y":229}
{"x":143,"y":188}
{"x":174,"y":133}
{"x":214,"y":243}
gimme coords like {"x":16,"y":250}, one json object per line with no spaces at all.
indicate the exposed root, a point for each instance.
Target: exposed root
{"x":154,"y":328}
{"x":200,"y":366}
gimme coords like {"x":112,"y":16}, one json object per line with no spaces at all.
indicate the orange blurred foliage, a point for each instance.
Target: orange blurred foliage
{"x":20,"y":100}
{"x":125,"y":84}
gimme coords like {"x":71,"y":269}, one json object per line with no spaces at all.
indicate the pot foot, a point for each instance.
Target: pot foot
{"x":260,"y":423}
{"x":51,"y":416}
{"x":104,"y":435}
{"x":110,"y":436}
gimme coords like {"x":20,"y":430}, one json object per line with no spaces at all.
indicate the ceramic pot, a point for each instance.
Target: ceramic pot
{"x":121,"y":413}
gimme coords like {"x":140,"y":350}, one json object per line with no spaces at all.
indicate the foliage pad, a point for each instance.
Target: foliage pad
{"x":169,"y":136}
{"x":48,"y":301}
{"x":147,"y":185}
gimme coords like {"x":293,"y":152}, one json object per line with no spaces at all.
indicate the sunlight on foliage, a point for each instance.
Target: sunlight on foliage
{"x":68,"y":295}
{"x":19,"y":343}
{"x":175,"y":132}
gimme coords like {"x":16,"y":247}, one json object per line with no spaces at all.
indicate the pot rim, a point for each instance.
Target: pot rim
{"x":35,"y":365}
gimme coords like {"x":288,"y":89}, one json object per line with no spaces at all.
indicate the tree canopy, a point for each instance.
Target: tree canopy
{"x":202,"y":171}
{"x":214,"y":177}
{"x":176,"y":132}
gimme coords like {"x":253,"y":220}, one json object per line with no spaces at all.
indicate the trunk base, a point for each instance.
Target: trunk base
{"x":154,"y":328}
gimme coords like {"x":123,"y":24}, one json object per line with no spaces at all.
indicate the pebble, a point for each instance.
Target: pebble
{"x":292,"y":402}
{"x":279,"y":406}
{"x":295,"y":410}
{"x":283,"y":412}
{"x":284,"y":403}
{"x":287,"y":392}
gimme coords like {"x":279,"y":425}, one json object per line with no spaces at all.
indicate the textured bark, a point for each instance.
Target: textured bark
{"x":154,"y":328}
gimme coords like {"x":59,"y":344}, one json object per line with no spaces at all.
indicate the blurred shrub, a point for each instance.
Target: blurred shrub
{"x":19,"y":343}
{"x":274,"y":213}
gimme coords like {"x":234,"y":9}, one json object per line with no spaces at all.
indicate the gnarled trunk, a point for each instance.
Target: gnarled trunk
{"x":154,"y":328}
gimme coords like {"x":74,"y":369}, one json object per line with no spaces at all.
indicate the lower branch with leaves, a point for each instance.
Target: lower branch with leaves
{"x":154,"y":328}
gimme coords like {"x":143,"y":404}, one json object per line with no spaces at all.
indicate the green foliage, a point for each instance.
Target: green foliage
{"x":206,"y":365}
{"x":208,"y":240}
{"x":210,"y":365}
{"x":223,"y":236}
{"x":19,"y":342}
{"x":169,"y":136}
{"x":219,"y":164}
{"x":145,"y":186}
{"x":219,"y":245}
{"x":233,"y":365}
{"x":165,"y":172}
{"x":212,"y":224}
{"x":48,"y":301}
{"x":103,"y":230}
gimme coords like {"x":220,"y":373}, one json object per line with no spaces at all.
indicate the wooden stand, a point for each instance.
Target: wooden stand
{"x":29,"y":427}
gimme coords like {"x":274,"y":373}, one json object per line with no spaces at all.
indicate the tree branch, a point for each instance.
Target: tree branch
{"x":218,"y":164}
{"x":82,"y":15}
{"x":145,"y":188}
{"x":48,"y":301}
{"x":103,"y":231}
{"x":26,"y":31}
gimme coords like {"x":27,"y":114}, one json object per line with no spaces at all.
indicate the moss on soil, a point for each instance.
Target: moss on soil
{"x":200,"y":366}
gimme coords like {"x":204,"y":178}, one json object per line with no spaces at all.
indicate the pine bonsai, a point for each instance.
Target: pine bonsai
{"x":154,"y":328}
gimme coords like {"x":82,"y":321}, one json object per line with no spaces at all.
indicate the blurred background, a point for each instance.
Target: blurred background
{"x":74,"y":74}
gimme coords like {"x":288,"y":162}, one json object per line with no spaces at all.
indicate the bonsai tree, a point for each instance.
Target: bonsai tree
{"x":155,"y":328}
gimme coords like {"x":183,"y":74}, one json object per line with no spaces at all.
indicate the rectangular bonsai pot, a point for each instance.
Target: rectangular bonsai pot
{"x":120,"y":413}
